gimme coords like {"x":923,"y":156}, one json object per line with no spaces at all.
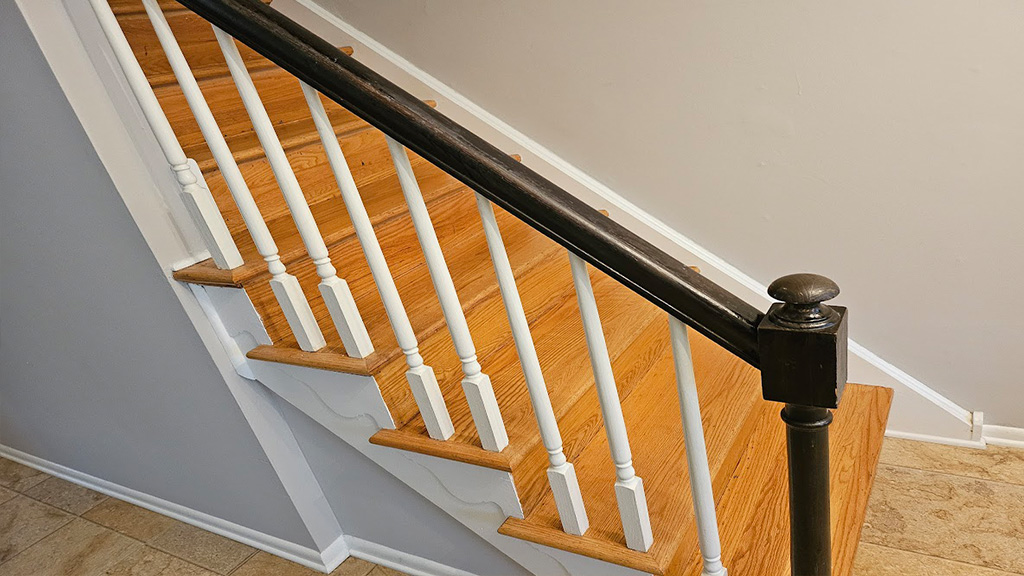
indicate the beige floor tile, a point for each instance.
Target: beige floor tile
{"x":6,"y":495}
{"x":24,"y":522}
{"x":385,"y":571}
{"x":963,"y":519}
{"x":148,"y":561}
{"x":80,"y":548}
{"x":873,"y":560}
{"x":353,"y":566}
{"x":263,"y":564}
{"x":993,"y":463}
{"x":204,"y":548}
{"x":19,"y":477}
{"x":130,"y":519}
{"x":65,"y":495}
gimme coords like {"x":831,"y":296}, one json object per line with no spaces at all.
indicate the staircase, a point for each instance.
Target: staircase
{"x":745,"y":440}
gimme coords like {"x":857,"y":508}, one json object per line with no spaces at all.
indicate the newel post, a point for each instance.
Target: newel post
{"x":802,"y":344}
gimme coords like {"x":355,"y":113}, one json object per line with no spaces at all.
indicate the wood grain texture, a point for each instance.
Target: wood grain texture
{"x":458,"y":452}
{"x":323,"y":360}
{"x":194,"y":35}
{"x":730,"y":405}
{"x":753,"y":513}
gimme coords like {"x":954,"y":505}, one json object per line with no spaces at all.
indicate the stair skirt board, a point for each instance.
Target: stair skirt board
{"x":324,"y":561}
{"x":479,"y":498}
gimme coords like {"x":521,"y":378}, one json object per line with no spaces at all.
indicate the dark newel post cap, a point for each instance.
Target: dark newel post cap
{"x":802,"y":343}
{"x":802,"y":296}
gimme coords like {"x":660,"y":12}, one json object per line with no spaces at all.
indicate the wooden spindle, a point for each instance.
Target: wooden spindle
{"x":696,"y":453}
{"x":561,"y":473}
{"x":334,"y":290}
{"x":420,"y":376}
{"x":629,"y":488}
{"x":285,"y":286}
{"x":476,"y":385}
{"x":193,"y":190}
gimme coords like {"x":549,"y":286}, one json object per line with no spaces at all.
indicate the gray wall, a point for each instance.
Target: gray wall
{"x":100,"y":368}
{"x":899,"y":125}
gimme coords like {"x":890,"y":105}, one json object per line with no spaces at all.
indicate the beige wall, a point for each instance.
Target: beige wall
{"x":879,"y":143}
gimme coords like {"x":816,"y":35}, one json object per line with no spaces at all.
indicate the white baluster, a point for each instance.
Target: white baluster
{"x":561,"y":473}
{"x":696,"y":453}
{"x":285,"y":286}
{"x":421,"y":377}
{"x":194,"y":193}
{"x":629,"y":488}
{"x":334,"y":290}
{"x":476,"y":385}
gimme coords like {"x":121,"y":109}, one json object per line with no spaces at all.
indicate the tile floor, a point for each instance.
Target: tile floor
{"x":934,"y":510}
{"x":942,"y":510}
{"x":51,"y":527}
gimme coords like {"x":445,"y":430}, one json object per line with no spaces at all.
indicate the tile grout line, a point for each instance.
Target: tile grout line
{"x":44,"y":536}
{"x":1002,"y":482}
{"x":915,"y":552}
{"x":242,"y":563}
{"x":81,"y":517}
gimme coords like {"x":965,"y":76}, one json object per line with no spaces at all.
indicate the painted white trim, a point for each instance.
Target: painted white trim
{"x":1006,"y":436}
{"x":613,"y":198}
{"x":398,"y":560}
{"x":936,"y":439}
{"x":271,"y":544}
{"x":912,"y":383}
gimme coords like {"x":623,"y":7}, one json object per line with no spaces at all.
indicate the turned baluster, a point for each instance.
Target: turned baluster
{"x":561,"y":473}
{"x":334,"y":290}
{"x":629,"y":488}
{"x":475,"y":383}
{"x":421,"y":378}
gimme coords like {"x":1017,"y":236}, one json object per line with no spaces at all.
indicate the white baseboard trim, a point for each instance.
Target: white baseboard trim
{"x":936,"y":439}
{"x":613,"y":198}
{"x":1006,"y":436}
{"x":334,"y":555}
{"x":398,"y":560}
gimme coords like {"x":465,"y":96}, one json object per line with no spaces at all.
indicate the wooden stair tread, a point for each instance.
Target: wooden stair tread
{"x":549,"y":299}
{"x":729,"y":394}
{"x":753,"y":512}
{"x":751,"y":492}
{"x":381,"y":197}
{"x":465,"y":250}
{"x":282,"y":98}
{"x":194,"y":35}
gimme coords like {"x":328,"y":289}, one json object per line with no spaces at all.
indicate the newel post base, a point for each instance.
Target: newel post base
{"x":803,"y":350}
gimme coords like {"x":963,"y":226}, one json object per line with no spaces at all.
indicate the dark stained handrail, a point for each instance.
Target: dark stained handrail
{"x":608,"y":246}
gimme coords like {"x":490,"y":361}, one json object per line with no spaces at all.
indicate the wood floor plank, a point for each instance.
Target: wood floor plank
{"x":753,"y":513}
{"x":195,"y":37}
{"x":729,"y":393}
